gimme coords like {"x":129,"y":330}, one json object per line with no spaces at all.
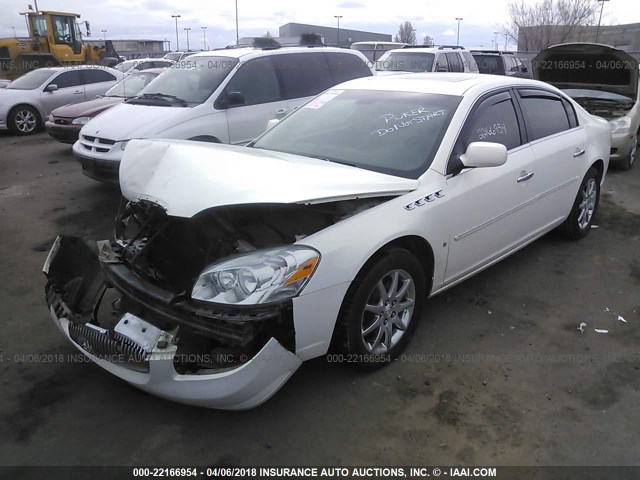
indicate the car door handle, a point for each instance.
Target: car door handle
{"x":524,"y":176}
{"x":78,"y":92}
{"x":579,"y":152}
{"x":281,"y":112}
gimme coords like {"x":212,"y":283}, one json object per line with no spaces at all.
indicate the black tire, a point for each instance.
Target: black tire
{"x":576,"y":226}
{"x":628,"y":162}
{"x":24,"y":120}
{"x":354,"y":320}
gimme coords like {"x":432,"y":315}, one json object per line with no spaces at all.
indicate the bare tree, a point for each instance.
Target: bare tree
{"x":267,"y":34}
{"x":536,"y":26}
{"x":406,"y":34}
{"x":428,"y":40}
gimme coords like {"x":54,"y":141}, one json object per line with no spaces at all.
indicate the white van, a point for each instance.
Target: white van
{"x":222,"y":96}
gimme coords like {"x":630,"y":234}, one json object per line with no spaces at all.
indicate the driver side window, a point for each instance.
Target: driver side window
{"x":494,"y":121}
{"x":256,"y":80}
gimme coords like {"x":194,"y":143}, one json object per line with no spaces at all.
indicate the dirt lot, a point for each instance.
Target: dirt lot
{"x":496,"y":374}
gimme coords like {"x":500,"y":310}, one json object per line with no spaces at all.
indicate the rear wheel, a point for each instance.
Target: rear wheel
{"x":24,"y":120}
{"x":585,"y":206}
{"x":382,"y":308}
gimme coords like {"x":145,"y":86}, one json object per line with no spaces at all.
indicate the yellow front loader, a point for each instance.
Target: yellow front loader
{"x":54,"y":40}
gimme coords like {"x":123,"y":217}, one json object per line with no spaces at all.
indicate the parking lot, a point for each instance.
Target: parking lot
{"x":497,"y":372}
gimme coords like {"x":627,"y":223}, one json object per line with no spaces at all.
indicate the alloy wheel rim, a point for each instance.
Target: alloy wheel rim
{"x":25,"y":121}
{"x":587,"y":204}
{"x":388,"y":311}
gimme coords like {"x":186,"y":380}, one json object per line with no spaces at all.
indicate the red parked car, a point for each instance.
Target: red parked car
{"x":65,"y":122}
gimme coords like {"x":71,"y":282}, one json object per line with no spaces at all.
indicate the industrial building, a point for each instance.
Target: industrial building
{"x":141,"y":48}
{"x":333,"y":36}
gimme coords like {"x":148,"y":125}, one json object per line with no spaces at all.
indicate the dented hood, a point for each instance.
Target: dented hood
{"x":187,"y":177}
{"x":588,"y":66}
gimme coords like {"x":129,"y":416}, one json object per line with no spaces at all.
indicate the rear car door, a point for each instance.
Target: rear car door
{"x":97,"y":81}
{"x":70,"y":90}
{"x":256,"y":80}
{"x":558,"y":143}
{"x":489,"y":206}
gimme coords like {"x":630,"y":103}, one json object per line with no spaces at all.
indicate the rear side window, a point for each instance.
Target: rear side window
{"x":544,"y":113}
{"x":345,"y":67}
{"x":455,"y":65}
{"x":571,"y":113}
{"x":469,"y":60}
{"x":302,"y":75}
{"x":442,"y":65}
{"x":265,"y":90}
{"x":97,"y":76}
{"x":67,"y":79}
{"x":494,"y":121}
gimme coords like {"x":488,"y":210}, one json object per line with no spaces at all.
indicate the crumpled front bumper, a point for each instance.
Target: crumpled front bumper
{"x":153,"y":369}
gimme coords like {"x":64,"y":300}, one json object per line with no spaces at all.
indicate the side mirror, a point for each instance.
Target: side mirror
{"x":484,"y":154}
{"x":440,"y":69}
{"x":52,"y":87}
{"x":234,"y":99}
{"x":524,"y":69}
{"x":272,"y":123}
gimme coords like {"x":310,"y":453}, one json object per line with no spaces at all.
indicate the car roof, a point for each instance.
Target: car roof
{"x":414,"y":49}
{"x":157,"y":71}
{"x":257,"y":52}
{"x":439,"y":82}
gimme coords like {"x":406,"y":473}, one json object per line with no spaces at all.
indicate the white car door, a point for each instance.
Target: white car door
{"x":489,"y":207}
{"x":70,"y":90}
{"x":558,"y":143}
{"x":257,"y":83}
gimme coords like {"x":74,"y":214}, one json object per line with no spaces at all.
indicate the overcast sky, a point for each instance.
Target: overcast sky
{"x":151,"y":19}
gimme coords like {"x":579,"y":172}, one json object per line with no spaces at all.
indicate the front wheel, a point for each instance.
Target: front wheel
{"x":585,"y":206}
{"x":627,"y":163}
{"x":382,"y":308}
{"x":24,"y":120}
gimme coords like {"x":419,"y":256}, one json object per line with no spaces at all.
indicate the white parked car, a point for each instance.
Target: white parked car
{"x":139,"y":64}
{"x":233,"y":265}
{"x":224,"y":96}
{"x":27,"y":101}
{"x":445,"y":58}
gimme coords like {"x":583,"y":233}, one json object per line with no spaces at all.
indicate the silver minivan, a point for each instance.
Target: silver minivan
{"x":222,"y":96}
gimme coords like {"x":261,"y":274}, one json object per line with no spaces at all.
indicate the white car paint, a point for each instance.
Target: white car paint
{"x":471,"y":220}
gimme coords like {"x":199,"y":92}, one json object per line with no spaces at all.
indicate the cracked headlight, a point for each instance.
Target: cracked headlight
{"x":80,"y":120}
{"x":620,"y":125}
{"x":261,"y":276}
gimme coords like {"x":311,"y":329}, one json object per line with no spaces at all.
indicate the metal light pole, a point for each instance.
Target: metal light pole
{"x":459,"y":19}
{"x":495,"y":39}
{"x":104,"y":34}
{"x":14,"y":32}
{"x":177,"y":39}
{"x":338,"y":17}
{"x":237,"y":34}
{"x":506,"y":36}
{"x":187,"y":30}
{"x":204,"y":36}
{"x":600,"y":18}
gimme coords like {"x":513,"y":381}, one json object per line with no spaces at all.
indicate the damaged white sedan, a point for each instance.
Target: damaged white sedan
{"x":231,"y":265}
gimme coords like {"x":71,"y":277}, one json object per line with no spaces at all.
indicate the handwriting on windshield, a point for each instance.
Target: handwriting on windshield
{"x":396,"y":122}
{"x":491,"y":130}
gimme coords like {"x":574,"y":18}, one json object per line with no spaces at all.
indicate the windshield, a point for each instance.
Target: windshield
{"x":191,"y":81}
{"x":491,"y":64}
{"x":131,"y":85}
{"x":125,"y":66}
{"x":31,"y":80}
{"x":405,"y":62}
{"x":397,"y":133}
{"x":173,"y":56}
{"x":586,"y":94}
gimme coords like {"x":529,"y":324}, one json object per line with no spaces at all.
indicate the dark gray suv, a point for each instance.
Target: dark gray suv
{"x":500,"y":63}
